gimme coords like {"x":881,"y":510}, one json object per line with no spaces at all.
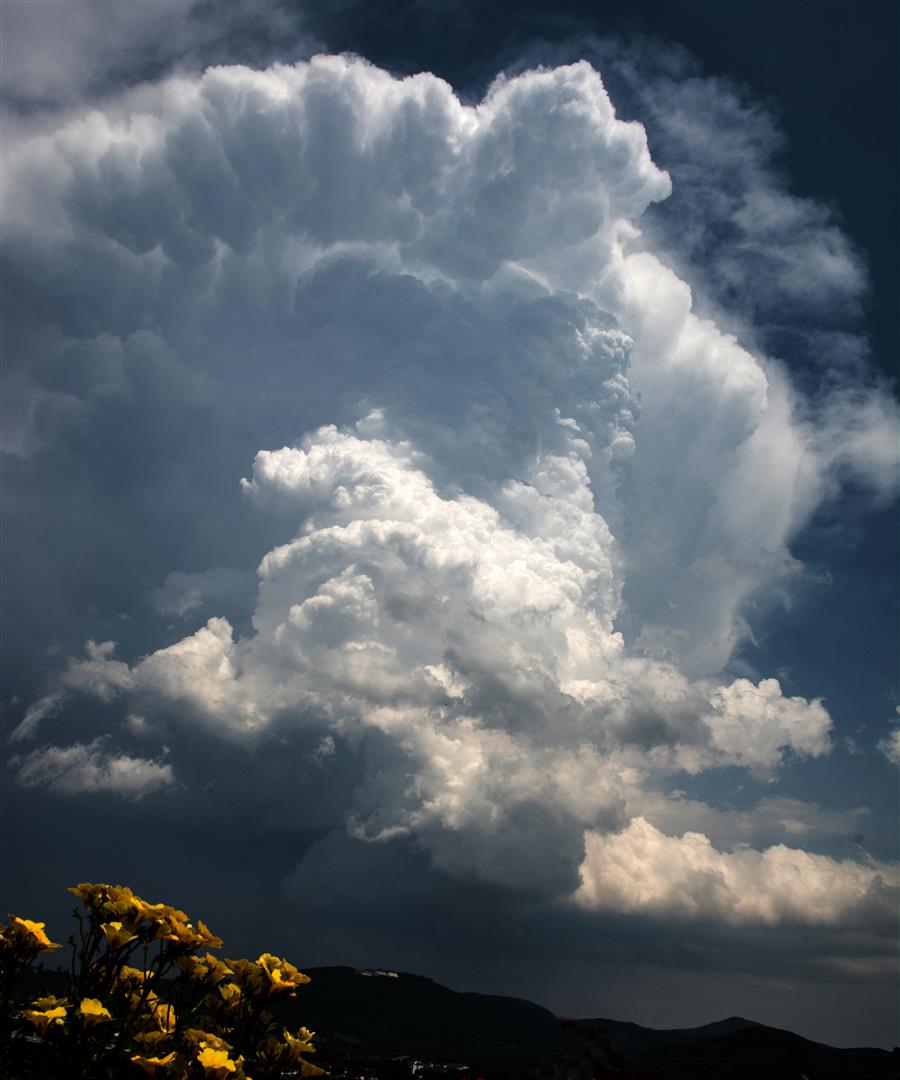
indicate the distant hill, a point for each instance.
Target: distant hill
{"x":400,"y":1014}
{"x":738,"y":1049}
{"x":369,"y":1022}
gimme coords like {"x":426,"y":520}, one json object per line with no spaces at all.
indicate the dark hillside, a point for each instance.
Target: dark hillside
{"x":632,"y":1040}
{"x":382,"y":1017}
{"x":758,"y":1051}
{"x":404,"y":1014}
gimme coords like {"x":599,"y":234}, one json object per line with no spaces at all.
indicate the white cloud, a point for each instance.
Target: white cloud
{"x":383,"y":161}
{"x":774,"y":819}
{"x":641,"y":870}
{"x":535,"y":493}
{"x":45,"y":707}
{"x":890,"y":746}
{"x":861,"y":433}
{"x":753,"y":723}
{"x":483,"y":652}
{"x":99,"y":674}
{"x":88,"y":768}
{"x":757,"y":247}
{"x":184,"y":593}
{"x":57,"y":48}
{"x":60,"y":52}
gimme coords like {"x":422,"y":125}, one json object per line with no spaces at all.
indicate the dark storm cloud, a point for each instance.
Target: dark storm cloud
{"x":472,"y":410}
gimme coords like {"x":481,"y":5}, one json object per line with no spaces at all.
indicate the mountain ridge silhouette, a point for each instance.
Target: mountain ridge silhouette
{"x":386,"y":1016}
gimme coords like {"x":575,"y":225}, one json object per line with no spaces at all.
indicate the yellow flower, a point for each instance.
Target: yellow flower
{"x":268,"y":975}
{"x":230,"y":993}
{"x":209,"y":939}
{"x":31,"y":933}
{"x":198,"y":1039}
{"x":49,"y":1002}
{"x":151,"y":1040}
{"x":283,"y":977}
{"x":290,"y":1051}
{"x":151,"y":1064}
{"x":184,"y":933}
{"x":128,"y":974}
{"x":116,"y":934}
{"x":88,"y":894}
{"x":92,"y":1012}
{"x":43,"y":1018}
{"x":217,"y":1063}
{"x":247,"y":973}
{"x":165,"y":1017}
{"x":301,"y":1043}
{"x":203,"y":969}
{"x":117,"y":901}
{"x":218,"y":969}
{"x":155,"y":921}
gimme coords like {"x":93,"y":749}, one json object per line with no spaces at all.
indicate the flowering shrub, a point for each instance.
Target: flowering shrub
{"x":144,"y":996}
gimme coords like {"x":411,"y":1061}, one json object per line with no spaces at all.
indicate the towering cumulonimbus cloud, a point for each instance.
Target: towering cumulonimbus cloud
{"x":510,"y":496}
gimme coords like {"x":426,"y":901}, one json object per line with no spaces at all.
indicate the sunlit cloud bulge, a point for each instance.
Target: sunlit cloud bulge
{"x":488,"y":503}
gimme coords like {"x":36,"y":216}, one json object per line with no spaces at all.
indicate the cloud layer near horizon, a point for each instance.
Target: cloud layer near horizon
{"x":511,"y":499}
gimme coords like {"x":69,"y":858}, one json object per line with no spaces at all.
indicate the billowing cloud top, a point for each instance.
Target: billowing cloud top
{"x":510,"y":497}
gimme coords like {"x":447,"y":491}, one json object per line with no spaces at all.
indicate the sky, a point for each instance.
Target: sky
{"x":450,"y":477}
